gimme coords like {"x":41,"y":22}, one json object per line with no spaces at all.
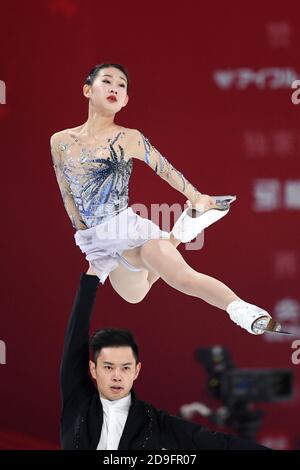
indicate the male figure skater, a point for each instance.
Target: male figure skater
{"x":108,"y":416}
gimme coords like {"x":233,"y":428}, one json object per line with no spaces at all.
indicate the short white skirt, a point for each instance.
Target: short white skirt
{"x":104,"y":243}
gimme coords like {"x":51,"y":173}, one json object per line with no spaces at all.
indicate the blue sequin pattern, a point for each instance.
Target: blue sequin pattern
{"x":98,"y":185}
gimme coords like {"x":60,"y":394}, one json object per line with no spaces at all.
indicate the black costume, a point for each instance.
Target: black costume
{"x":146,"y":427}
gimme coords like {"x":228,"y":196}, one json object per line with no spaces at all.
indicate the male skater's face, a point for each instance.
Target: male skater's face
{"x":115,"y":372}
{"x":109,"y":82}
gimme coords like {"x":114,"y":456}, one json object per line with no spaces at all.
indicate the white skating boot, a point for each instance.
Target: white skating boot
{"x":193,"y":221}
{"x":252,"y":318}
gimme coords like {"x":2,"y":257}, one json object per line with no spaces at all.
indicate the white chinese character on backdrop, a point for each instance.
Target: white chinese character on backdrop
{"x":292,"y":194}
{"x":286,"y":264}
{"x":284,"y":143}
{"x":287,"y":309}
{"x":266,"y":194}
{"x":278,"y":34}
{"x":255,"y":144}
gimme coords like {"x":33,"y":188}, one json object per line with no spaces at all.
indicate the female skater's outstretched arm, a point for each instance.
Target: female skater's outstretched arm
{"x":139,"y":147}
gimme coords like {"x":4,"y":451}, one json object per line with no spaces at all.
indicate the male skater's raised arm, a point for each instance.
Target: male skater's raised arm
{"x":76,"y":384}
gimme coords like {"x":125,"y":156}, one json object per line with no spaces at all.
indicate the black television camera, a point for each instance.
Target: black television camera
{"x":239,"y":389}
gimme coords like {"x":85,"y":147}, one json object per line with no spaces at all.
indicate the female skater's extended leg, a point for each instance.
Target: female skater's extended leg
{"x":162,"y":258}
{"x":153,"y":277}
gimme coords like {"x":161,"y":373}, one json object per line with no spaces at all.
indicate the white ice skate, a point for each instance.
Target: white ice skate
{"x":252,"y":318}
{"x":193,"y":221}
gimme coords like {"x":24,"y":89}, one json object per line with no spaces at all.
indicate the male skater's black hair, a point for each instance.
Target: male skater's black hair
{"x":93,"y":73}
{"x":112,"y":337}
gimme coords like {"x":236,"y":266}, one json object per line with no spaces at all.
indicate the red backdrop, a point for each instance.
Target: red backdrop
{"x":211,"y":88}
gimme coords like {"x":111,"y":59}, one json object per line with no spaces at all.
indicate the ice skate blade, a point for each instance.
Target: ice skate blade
{"x":223,"y":202}
{"x":281,"y":332}
{"x":274,"y":327}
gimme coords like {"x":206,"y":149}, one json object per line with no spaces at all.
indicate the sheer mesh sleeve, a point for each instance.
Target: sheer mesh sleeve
{"x":64,"y":187}
{"x":142,"y":149}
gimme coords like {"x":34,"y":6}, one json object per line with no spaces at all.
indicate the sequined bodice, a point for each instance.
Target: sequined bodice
{"x":98,"y":178}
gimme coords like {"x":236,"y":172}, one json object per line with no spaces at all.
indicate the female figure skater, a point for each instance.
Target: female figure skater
{"x":93,"y":163}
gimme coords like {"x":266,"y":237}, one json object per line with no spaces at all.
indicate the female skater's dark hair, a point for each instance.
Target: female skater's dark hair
{"x":111,"y":337}
{"x":93,"y":73}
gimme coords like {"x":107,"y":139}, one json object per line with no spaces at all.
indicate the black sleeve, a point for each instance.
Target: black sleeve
{"x":180,"y":434}
{"x":76,"y":384}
